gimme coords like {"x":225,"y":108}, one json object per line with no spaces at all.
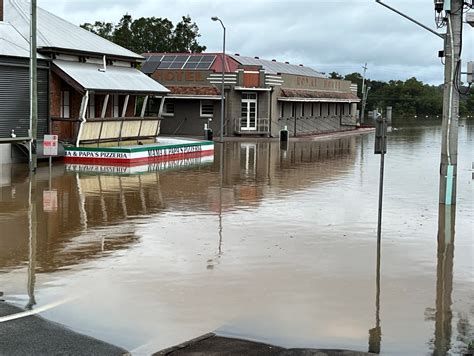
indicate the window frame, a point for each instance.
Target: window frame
{"x":63,"y":106}
{"x":165,"y":109}
{"x":202,"y":103}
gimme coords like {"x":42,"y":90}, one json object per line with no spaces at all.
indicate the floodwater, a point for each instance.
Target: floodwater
{"x":280,"y":248}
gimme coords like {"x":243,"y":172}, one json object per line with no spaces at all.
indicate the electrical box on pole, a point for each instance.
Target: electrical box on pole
{"x":380,"y":135}
{"x":470,"y":18}
{"x":470,"y":72}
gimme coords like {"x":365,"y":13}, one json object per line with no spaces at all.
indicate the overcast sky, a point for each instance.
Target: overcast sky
{"x":334,"y":35}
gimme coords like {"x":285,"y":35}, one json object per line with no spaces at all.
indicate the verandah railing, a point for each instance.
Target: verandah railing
{"x":104,"y":130}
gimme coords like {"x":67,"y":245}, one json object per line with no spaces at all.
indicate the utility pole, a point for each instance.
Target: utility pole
{"x":449,"y":13}
{"x":449,"y":144}
{"x":364,"y":96}
{"x":33,"y":90}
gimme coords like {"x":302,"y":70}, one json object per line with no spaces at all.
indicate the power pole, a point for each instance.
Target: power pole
{"x":449,"y":144}
{"x":33,"y":90}
{"x":364,"y":97}
{"x":449,"y":13}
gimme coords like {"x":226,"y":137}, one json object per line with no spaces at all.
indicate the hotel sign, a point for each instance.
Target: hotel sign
{"x":181,"y":76}
{"x":312,"y":83}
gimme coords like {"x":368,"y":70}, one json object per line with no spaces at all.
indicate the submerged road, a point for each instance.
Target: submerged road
{"x":33,"y":335}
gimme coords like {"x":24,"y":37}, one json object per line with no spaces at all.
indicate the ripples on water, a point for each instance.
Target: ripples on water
{"x":280,"y":248}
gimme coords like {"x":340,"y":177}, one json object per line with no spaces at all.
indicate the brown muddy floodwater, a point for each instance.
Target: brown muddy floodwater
{"x":281,"y":248}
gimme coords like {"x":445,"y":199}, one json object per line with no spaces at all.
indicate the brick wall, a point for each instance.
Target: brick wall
{"x":55,"y":95}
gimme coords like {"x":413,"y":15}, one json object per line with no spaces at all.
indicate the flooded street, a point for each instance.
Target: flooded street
{"x":280,"y":248}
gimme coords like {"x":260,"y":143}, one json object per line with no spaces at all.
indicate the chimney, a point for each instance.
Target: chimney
{"x":1,"y":10}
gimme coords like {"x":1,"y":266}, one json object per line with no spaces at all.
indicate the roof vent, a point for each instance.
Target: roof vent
{"x":287,"y":62}
{"x":237,"y":54}
{"x":274,"y":60}
{"x":301,"y":65}
{"x":257,"y":57}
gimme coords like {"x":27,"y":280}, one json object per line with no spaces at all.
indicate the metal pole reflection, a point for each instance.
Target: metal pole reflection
{"x":221,"y":171}
{"x":444,"y":279}
{"x":375,"y":334}
{"x":32,"y":220}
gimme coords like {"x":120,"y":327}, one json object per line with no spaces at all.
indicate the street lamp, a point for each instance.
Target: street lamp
{"x":215,"y":18}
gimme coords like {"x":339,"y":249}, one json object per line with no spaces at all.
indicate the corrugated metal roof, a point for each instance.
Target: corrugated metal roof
{"x":115,"y":79}
{"x":272,"y":67}
{"x":11,"y":42}
{"x":55,"y":32}
{"x":318,"y":94}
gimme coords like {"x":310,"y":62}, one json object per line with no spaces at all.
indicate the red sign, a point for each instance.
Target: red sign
{"x":50,"y":145}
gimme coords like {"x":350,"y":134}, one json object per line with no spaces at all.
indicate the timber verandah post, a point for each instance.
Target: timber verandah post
{"x":142,"y":117}
{"x":82,"y":116}
{"x":102,"y":116}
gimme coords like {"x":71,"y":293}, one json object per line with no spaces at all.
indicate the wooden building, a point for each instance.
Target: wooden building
{"x":90,"y":90}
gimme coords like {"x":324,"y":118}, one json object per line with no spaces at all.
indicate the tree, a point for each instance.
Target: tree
{"x":103,"y":29}
{"x":150,"y":34}
{"x":123,"y":35}
{"x":185,"y":37}
{"x":335,"y":75}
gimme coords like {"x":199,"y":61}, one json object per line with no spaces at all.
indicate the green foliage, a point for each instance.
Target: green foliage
{"x":335,"y":75}
{"x":150,"y":34}
{"x":408,"y":98}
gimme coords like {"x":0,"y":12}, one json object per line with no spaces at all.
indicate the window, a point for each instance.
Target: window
{"x":293,"y":109}
{"x":168,"y":109}
{"x":249,"y":96}
{"x":207,"y":108}
{"x":115,"y":106}
{"x":91,"y":107}
{"x":65,"y":104}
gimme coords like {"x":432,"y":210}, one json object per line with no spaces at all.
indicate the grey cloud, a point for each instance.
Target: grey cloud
{"x":327,"y":35}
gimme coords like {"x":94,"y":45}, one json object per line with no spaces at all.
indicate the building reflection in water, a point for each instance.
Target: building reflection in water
{"x":93,"y":202}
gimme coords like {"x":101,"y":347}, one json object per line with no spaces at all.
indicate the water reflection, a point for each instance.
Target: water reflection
{"x":271,"y":241}
{"x":32,"y":223}
{"x":444,"y":280}
{"x":93,"y":201}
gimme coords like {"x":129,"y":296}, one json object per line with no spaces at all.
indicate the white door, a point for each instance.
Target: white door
{"x":248,"y":121}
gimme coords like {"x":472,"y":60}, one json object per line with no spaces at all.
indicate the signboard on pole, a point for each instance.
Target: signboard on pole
{"x":50,"y":201}
{"x":50,"y":145}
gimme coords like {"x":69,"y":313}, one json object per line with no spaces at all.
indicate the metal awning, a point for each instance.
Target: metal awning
{"x":252,"y":89}
{"x":116,"y":79}
{"x":194,"y":97}
{"x":319,"y":100}
{"x":317,"y":96}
